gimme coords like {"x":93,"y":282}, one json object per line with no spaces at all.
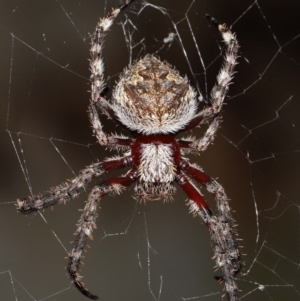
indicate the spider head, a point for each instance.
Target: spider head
{"x":151,"y":98}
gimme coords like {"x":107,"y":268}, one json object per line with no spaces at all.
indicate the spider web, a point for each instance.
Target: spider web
{"x":158,"y":251}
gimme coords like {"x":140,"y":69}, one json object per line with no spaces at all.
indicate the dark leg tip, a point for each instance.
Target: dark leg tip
{"x":209,"y":17}
{"x":105,"y":90}
{"x":124,"y":5}
{"x":212,"y":19}
{"x":84,"y":291}
{"x":218,"y":278}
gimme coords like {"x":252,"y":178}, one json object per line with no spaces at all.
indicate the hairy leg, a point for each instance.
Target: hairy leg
{"x":119,"y":142}
{"x":224,"y":210}
{"x":212,"y":187}
{"x":200,"y":145}
{"x":71,"y":189}
{"x":97,"y":74}
{"x":226,"y":253}
{"x":87,"y":223}
{"x":219,"y":91}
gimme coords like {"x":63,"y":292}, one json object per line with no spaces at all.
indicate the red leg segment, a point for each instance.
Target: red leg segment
{"x":212,"y":187}
{"x":195,"y":173}
{"x":110,"y":165}
{"x":194,"y":194}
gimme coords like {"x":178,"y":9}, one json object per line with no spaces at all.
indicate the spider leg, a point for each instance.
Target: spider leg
{"x":226,"y":252}
{"x":219,"y":90}
{"x":226,"y":73}
{"x":201,"y":145}
{"x":194,"y":195}
{"x":198,"y":119}
{"x":97,"y":74}
{"x":71,"y":189}
{"x":87,"y":222}
{"x":119,"y":142}
{"x":216,"y":190}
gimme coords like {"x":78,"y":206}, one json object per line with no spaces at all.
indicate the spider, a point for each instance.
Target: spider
{"x":154,"y":103}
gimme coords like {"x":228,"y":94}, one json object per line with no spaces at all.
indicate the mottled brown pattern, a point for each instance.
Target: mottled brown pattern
{"x":154,"y":87}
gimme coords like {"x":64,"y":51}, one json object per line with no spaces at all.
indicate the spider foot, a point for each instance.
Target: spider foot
{"x":222,"y":27}
{"x":124,"y":5}
{"x":26,"y":207}
{"x":19,"y":205}
{"x":79,"y":285}
{"x":75,"y":277}
{"x":212,"y":19}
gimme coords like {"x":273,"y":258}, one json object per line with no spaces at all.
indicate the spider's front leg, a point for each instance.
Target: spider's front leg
{"x":225,"y":76}
{"x":87,"y":222}
{"x":218,"y":93}
{"x":226,"y":253}
{"x":97,"y":75}
{"x":71,"y":189}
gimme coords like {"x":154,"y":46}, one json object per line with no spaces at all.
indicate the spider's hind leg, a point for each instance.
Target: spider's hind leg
{"x":87,"y":223}
{"x":223,"y":209}
{"x":226,"y":252}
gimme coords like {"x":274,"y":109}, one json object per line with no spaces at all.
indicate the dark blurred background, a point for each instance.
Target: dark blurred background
{"x":155,"y":251}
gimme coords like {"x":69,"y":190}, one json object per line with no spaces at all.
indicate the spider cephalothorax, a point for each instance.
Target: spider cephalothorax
{"x":153,"y":101}
{"x":151,"y":97}
{"x":157,"y":157}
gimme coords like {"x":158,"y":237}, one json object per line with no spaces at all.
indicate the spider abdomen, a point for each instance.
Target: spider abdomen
{"x":152,"y":97}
